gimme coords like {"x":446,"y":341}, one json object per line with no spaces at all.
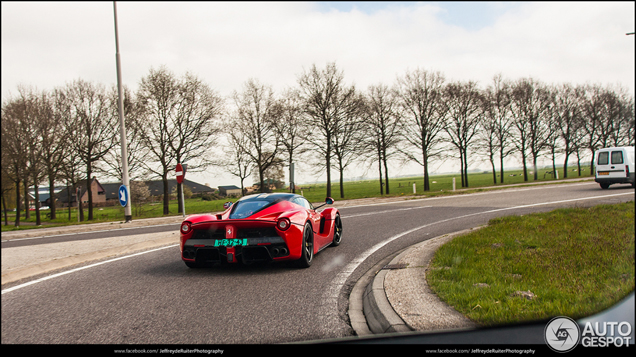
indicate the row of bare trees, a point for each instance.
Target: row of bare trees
{"x":71,"y":133}
{"x":423,"y":118}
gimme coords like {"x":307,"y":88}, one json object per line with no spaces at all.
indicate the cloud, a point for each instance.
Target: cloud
{"x":47,"y":44}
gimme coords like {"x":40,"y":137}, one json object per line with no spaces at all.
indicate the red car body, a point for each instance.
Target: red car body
{"x":260,"y":228}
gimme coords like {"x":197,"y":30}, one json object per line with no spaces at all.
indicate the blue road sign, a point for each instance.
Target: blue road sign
{"x":123,"y":195}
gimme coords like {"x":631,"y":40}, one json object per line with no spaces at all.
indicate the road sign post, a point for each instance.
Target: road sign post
{"x":180,"y":176}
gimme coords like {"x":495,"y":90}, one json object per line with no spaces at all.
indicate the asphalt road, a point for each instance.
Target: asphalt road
{"x":154,"y":298}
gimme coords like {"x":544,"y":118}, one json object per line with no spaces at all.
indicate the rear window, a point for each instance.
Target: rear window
{"x":243,"y":209}
{"x":617,"y":157}
{"x":603,"y":158}
{"x":249,"y":205}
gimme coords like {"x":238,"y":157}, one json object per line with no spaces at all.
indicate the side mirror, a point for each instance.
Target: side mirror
{"x":328,"y":201}
{"x":227,"y":205}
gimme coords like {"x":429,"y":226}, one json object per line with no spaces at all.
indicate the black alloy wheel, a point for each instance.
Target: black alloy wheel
{"x":337,"y":232}
{"x":307,"y":254}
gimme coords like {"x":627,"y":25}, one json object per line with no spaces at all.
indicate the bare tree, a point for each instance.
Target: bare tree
{"x":421,"y":97}
{"x":92,"y":127}
{"x":348,"y":135}
{"x":139,"y":194}
{"x":496,"y":137}
{"x":618,"y":115}
{"x":159,"y":95}
{"x":39,"y":115}
{"x":290,"y":125}
{"x":532,"y":104}
{"x":198,"y":128}
{"x":14,"y":151}
{"x":138,"y":154}
{"x":54,"y":143}
{"x":568,"y":120}
{"x":382,"y":119}
{"x":255,"y":118}
{"x":237,"y":161}
{"x":592,"y":118}
{"x":465,"y":113}
{"x":323,"y":93}
{"x":180,"y":118}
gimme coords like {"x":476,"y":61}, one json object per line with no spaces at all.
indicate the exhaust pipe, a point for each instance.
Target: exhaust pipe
{"x":283,"y":251}
{"x":275,"y":251}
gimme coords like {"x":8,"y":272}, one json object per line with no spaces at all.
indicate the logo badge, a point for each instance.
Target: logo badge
{"x":562,"y":334}
{"x":230,"y":232}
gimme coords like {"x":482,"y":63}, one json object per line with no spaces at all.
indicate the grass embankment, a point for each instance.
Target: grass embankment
{"x":569,"y":262}
{"x":439,"y":185}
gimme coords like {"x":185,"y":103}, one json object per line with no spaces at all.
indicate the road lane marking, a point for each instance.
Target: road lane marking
{"x":387,"y":211}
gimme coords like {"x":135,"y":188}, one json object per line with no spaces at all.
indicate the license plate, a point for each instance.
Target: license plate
{"x":601,"y":173}
{"x":230,"y":242}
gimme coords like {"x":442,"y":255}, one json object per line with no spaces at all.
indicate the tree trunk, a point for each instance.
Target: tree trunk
{"x":166,"y":194}
{"x":386,"y":171}
{"x":52,"y":197}
{"x":17,"y":203}
{"x":89,"y":189}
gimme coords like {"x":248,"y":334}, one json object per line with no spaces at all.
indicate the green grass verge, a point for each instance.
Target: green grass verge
{"x":576,"y":262}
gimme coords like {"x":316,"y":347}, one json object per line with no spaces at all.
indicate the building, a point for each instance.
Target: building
{"x":156,"y":188}
{"x":98,"y":191}
{"x":107,"y":194}
{"x":229,"y":191}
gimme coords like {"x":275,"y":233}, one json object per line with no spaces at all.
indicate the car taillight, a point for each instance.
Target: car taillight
{"x":186,"y":227}
{"x":283,"y":224}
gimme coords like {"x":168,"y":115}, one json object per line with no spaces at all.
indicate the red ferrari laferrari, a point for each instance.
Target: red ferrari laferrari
{"x":261,"y":228}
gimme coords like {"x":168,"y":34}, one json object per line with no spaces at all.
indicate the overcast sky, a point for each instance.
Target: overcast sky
{"x":48,"y":44}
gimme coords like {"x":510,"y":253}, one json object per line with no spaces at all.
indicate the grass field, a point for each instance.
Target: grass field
{"x":569,"y":262}
{"x":440,"y":185}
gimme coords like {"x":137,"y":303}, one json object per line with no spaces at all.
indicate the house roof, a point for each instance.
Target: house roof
{"x":232,"y":187}
{"x":62,"y":196}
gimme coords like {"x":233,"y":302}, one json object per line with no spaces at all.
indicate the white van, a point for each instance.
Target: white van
{"x":615,"y":165}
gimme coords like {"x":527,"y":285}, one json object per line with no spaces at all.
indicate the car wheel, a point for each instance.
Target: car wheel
{"x":604,"y":185}
{"x":307,"y":252}
{"x":337,"y":232}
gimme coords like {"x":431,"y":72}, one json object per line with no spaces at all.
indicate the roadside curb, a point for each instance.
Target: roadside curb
{"x":370,"y":309}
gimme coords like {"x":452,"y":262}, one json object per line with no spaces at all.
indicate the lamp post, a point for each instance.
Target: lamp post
{"x":124,"y":154}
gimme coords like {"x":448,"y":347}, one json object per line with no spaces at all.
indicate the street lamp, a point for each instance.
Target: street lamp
{"x":124,"y":154}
